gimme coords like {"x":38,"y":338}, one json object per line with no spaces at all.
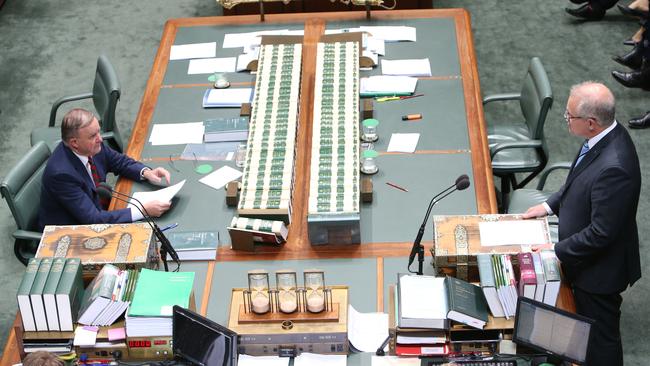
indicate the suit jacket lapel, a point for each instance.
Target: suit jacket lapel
{"x":79,"y":167}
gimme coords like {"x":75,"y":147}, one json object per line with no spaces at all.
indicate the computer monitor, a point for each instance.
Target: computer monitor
{"x":559,"y":334}
{"x":201,"y":341}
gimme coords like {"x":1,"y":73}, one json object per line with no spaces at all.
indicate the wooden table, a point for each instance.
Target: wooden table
{"x":377,"y":257}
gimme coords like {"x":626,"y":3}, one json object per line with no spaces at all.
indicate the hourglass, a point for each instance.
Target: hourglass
{"x":287,"y":283}
{"x":314,"y":290}
{"x":258,"y":288}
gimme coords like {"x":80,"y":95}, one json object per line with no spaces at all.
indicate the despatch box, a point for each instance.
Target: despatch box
{"x":458,"y":239}
{"x":127,"y":246}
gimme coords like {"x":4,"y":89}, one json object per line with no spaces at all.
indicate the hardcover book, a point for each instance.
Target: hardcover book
{"x":49,"y":294}
{"x":421,"y":302}
{"x":527,"y":278}
{"x":553,"y":277}
{"x":24,"y":304}
{"x":69,"y":293}
{"x":36,"y":294}
{"x":466,"y":303}
{"x":488,"y":284}
{"x":539,"y":275}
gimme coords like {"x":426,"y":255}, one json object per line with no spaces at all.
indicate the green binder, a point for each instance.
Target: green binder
{"x":156,"y":292}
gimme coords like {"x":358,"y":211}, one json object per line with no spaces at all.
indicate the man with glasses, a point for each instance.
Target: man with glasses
{"x":76,"y":168}
{"x":598,"y":239}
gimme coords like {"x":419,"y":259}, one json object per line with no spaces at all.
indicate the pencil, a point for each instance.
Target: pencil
{"x":398,"y":187}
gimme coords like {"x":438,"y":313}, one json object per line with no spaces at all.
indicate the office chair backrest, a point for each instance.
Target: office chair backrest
{"x":536,"y":98}
{"x":106,"y":93}
{"x":21,"y":188}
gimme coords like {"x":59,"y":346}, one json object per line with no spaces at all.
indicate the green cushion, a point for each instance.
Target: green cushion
{"x":512,"y":160}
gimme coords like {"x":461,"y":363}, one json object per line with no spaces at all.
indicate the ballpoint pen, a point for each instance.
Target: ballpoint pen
{"x":170,"y":226}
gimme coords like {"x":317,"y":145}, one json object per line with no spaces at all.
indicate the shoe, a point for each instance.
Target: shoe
{"x":635,"y":13}
{"x":634,"y":79}
{"x":640,"y":122}
{"x":632,"y":59}
{"x":587,"y":12}
{"x":630,"y":42}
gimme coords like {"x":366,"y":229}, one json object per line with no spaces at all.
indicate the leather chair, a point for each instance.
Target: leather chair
{"x":523,"y":198}
{"x":105,"y":94}
{"x":21,"y":188}
{"x":521,"y":148}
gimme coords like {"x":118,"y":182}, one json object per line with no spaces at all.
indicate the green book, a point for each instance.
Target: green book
{"x":69,"y":293}
{"x":466,"y":303}
{"x":194,"y":245}
{"x":24,"y":304}
{"x":98,"y":294}
{"x":488,"y":284}
{"x":157,"y":292}
{"x":225,"y":129}
{"x":49,"y":293}
{"x":36,"y":294}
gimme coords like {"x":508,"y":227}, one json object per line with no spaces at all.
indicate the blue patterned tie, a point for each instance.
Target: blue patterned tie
{"x":583,"y":151}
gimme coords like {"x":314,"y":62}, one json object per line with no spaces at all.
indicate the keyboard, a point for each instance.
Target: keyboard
{"x":476,"y":363}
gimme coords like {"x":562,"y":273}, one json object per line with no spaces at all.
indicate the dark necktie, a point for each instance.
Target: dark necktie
{"x":103,"y":202}
{"x":583,"y":151}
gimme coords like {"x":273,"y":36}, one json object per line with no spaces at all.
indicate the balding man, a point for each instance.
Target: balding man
{"x":76,"y":167}
{"x":598,"y":239}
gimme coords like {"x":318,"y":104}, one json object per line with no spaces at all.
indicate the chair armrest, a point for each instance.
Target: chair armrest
{"x":60,"y":101}
{"x":544,"y":175}
{"x":514,"y":145}
{"x":27,"y":235}
{"x":501,"y":97}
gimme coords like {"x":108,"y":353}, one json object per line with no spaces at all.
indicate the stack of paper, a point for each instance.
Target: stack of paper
{"x":163,"y":195}
{"x":416,"y":67}
{"x":212,"y":65}
{"x":227,"y":97}
{"x":177,"y":133}
{"x":195,"y":50}
{"x":387,"y":85}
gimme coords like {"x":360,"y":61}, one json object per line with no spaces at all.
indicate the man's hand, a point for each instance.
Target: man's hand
{"x":155,"y":176}
{"x":156,"y":208}
{"x":535,"y":211}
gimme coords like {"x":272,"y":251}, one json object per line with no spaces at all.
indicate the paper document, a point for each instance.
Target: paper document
{"x":412,"y":67}
{"x":246,"y":360}
{"x":212,"y":65}
{"x":234,"y":97}
{"x":376,"y":45}
{"x":392,"y":33}
{"x":235,"y":40}
{"x":384,"y":84}
{"x":513,"y":232}
{"x":85,"y":335}
{"x":220,"y":177}
{"x":194,"y":50}
{"x":394,"y":361}
{"x":244,"y":59}
{"x":366,"y":332}
{"x":423,"y":297}
{"x":177,"y":133}
{"x":163,"y":195}
{"x":403,"y":142}
{"x":313,"y":359}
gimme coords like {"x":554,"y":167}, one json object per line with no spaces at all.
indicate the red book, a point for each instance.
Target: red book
{"x":527,"y":277}
{"x":421,"y":349}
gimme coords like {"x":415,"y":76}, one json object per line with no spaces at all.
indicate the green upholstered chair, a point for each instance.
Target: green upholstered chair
{"x":521,"y":148}
{"x":105,"y":94}
{"x":523,"y":198}
{"x":21,"y":188}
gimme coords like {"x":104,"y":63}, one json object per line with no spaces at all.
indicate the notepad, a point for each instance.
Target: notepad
{"x":194,"y":50}
{"x":412,"y":67}
{"x":212,"y":65}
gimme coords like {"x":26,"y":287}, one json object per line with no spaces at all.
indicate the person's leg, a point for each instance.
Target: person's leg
{"x":605,"y":346}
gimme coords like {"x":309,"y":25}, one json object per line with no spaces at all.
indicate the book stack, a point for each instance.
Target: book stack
{"x":194,"y":245}
{"x":156,"y":293}
{"x":538,"y":278}
{"x":107,"y":296}
{"x":50,"y":294}
{"x":263,"y":231}
{"x":425,"y":307}
{"x":334,"y":181}
{"x":267,"y":181}
{"x":225,"y":129}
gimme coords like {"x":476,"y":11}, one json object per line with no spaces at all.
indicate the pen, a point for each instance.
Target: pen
{"x":170,"y":226}
{"x":398,"y":187}
{"x":412,"y":96}
{"x":386,"y":99}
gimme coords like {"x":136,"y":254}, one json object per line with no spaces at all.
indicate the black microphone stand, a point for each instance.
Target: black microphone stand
{"x":165,"y":245}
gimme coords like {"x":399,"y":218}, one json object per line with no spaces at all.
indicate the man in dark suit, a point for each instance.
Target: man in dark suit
{"x":598,"y":240}
{"x":75,"y":168}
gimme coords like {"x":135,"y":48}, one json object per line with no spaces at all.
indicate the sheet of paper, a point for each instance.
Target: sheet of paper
{"x":392,"y":33}
{"x":513,"y":232}
{"x":367,"y":331}
{"x":403,"y":142}
{"x":116,"y":334}
{"x":313,"y":359}
{"x":376,"y":45}
{"x":246,"y":360}
{"x":177,"y":133}
{"x":423,"y":297}
{"x":410,"y":67}
{"x":388,"y":84}
{"x":212,"y":65}
{"x":85,"y":335}
{"x":220,"y":177}
{"x":229,"y":97}
{"x":163,"y":195}
{"x":194,"y":50}
{"x":235,"y":40}
{"x":394,"y":361}
{"x":244,"y":59}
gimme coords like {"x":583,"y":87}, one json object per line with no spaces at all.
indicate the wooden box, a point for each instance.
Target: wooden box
{"x":457,"y":241}
{"x":128,"y":246}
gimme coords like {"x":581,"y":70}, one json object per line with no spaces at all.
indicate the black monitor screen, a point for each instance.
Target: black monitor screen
{"x":551,"y":330}
{"x":201,"y":341}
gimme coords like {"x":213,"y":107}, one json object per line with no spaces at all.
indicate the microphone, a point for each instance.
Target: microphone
{"x":106,"y":191}
{"x":461,"y":183}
